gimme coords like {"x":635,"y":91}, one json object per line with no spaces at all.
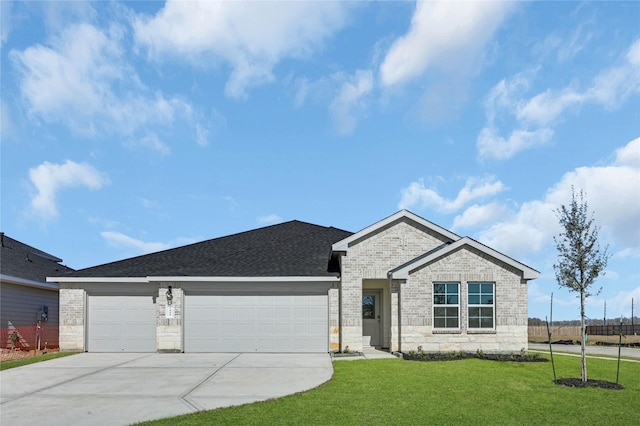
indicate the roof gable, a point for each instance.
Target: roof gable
{"x":288,"y":249}
{"x":403,"y":271}
{"x":343,"y":245}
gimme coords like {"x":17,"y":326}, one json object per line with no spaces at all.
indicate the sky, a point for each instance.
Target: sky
{"x":133,"y":127}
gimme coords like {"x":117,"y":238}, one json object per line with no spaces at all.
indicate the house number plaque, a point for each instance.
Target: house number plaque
{"x":169,"y":311}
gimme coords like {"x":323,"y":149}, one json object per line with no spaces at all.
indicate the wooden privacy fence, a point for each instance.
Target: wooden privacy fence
{"x":556,"y":330}
{"x":592,"y":330}
{"x":613,"y":330}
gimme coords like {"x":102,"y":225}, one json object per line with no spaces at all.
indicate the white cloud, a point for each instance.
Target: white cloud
{"x":252,"y":37}
{"x":120,"y":240}
{"x":621,"y":303}
{"x":536,"y":116}
{"x":152,"y":141}
{"x":49,"y":178}
{"x":613,"y":194}
{"x":82,"y":79}
{"x":476,"y":215}
{"x":417,"y":195}
{"x":441,"y":32}
{"x":269,"y":219}
{"x":546,"y":107}
{"x":349,"y":102}
{"x":491,"y":145}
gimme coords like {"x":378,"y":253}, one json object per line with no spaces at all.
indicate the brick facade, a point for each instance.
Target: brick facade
{"x":368,"y":261}
{"x":72,"y":314}
{"x":410,"y":301}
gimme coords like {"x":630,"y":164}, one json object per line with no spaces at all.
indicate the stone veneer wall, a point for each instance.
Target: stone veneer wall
{"x":334,"y":318}
{"x":372,"y":258}
{"x":169,"y":331}
{"x":72,"y":318}
{"x":463,"y":266}
{"x":72,"y":300}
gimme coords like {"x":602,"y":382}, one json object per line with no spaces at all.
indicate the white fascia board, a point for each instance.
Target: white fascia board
{"x":527,"y":272}
{"x":343,"y":245}
{"x":187,"y":279}
{"x":97,"y":279}
{"x":29,"y":283}
{"x":243,"y":279}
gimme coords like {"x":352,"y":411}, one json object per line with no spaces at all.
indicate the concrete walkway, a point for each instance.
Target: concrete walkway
{"x":367,"y":353}
{"x":120,"y":389}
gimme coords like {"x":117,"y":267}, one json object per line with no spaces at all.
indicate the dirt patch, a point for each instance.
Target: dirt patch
{"x":8,"y":354}
{"x":578,"y":383}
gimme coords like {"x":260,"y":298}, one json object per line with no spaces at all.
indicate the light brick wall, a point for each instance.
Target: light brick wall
{"x":334,"y":318}
{"x":72,"y":307}
{"x":463,"y":266}
{"x":169,"y":331}
{"x":372,"y":258}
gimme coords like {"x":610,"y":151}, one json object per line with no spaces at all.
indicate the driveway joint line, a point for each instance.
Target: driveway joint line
{"x":185,"y":395}
{"x":71,"y":379}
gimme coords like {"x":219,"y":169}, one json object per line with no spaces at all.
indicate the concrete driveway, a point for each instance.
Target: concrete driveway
{"x":120,"y":389}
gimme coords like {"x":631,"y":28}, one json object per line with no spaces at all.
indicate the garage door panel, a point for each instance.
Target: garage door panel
{"x":256,"y":323}
{"x":121,"y":323}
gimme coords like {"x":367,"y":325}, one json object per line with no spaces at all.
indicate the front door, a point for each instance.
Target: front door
{"x":371,"y":318}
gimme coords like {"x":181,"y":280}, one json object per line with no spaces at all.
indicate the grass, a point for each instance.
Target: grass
{"x":5,"y":365}
{"x":469,"y":391}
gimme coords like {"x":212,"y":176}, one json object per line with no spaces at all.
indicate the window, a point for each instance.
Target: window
{"x":481,"y":303}
{"x":446,"y":305}
{"x":368,"y":306}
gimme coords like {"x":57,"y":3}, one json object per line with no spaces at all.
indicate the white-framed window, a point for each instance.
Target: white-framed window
{"x":481,"y":305}
{"x":446,"y":305}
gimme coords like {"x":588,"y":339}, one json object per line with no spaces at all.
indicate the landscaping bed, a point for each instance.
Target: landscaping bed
{"x":578,"y":383}
{"x":522,"y":356}
{"x":8,"y":354}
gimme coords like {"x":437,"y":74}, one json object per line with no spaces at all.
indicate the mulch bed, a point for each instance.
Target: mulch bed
{"x":8,"y":354}
{"x":453,"y":356}
{"x":578,"y":383}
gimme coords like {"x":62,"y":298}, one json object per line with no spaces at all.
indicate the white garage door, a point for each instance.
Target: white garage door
{"x":121,"y":323}
{"x":256,"y":323}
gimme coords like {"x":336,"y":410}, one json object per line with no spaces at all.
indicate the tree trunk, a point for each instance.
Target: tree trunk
{"x":583,"y":343}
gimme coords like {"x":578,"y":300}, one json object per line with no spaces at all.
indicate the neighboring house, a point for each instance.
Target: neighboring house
{"x":26,"y":297}
{"x":400,"y":283}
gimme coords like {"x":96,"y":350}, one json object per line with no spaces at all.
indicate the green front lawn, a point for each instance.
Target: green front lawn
{"x":5,"y":365}
{"x":470,"y":391}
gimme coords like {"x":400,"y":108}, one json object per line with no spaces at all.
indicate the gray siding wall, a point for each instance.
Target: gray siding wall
{"x":20,"y":305}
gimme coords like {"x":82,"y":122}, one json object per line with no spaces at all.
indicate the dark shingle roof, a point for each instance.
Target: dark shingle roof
{"x":288,"y":249}
{"x":20,"y":260}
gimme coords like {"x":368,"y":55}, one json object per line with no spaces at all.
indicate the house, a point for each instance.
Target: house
{"x":27,"y":300}
{"x":400,"y":283}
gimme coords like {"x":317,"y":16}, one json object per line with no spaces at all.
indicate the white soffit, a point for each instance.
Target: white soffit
{"x":188,"y":279}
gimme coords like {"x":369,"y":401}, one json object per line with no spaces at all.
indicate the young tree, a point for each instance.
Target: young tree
{"x":580,"y":260}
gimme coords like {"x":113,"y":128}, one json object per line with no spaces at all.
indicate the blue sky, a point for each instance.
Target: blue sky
{"x":129,"y":128}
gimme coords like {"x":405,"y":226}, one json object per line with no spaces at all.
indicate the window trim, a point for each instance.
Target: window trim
{"x":458,"y":305}
{"x":481,"y":305}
